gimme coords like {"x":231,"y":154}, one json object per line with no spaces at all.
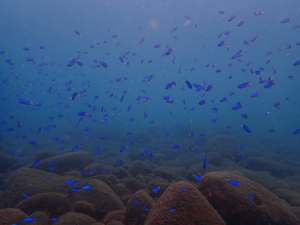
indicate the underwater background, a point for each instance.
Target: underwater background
{"x":186,"y":87}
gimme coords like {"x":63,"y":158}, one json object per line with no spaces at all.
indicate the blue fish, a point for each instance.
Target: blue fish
{"x":232,"y":17}
{"x":82,"y":114}
{"x":96,"y":150}
{"x":151,"y":155}
{"x":123,"y":148}
{"x":245,"y":116}
{"x":271,"y":83}
{"x":28,"y":220}
{"x":258,"y":13}
{"x":221,"y":43}
{"x":87,"y":187}
{"x":36,"y":162}
{"x":297,"y":63}
{"x":209,"y":87}
{"x":197,"y":176}
{"x":76,"y":148}
{"x":25,"y":195}
{"x":32,"y":142}
{"x":286,"y":20}
{"x":240,"y":53}
{"x":245,"y":128}
{"x":68,"y":181}
{"x":91,"y":172}
{"x":155,"y":190}
{"x":77,"y":32}
{"x":255,"y":37}
{"x":204,"y":162}
{"x":176,"y":146}
{"x":241,"y":23}
{"x":244,"y":85}
{"x":71,"y":62}
{"x":224,"y":99}
{"x":24,"y":101}
{"x":202,"y":102}
{"x":233,"y":182}
{"x":74,"y":190}
{"x":297,"y":131}
{"x":255,"y":95}
{"x":158,"y":45}
{"x":188,"y":84}
{"x":238,"y":106}
{"x":103,"y":64}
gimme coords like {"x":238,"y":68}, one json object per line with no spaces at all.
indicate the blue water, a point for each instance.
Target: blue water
{"x":52,"y":23}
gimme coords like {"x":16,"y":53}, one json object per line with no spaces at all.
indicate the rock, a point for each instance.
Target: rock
{"x":294,"y":182}
{"x":265,"y":179}
{"x":40,"y":218}
{"x":227,"y":165}
{"x":132,"y":184}
{"x":97,"y":167}
{"x":5,"y":162}
{"x":222,"y":144}
{"x":55,"y":204}
{"x":292,"y":197}
{"x":296,"y":211}
{"x":16,"y":166}
{"x":84,"y":208}
{"x":295,"y":202}
{"x":65,"y":162}
{"x":141,"y":179}
{"x":135,"y":212}
{"x":261,"y":164}
{"x":43,"y":154}
{"x":121,"y":173}
{"x":72,"y":218}
{"x":193,"y":170}
{"x":236,"y":206}
{"x":32,"y":182}
{"x":121,"y":190}
{"x":125,"y":199}
{"x":10,"y":216}
{"x":109,"y":161}
{"x":214,"y":158}
{"x":139,"y":167}
{"x":191,"y":208}
{"x":100,"y":195}
{"x":149,"y":177}
{"x":119,"y":215}
{"x":161,"y":183}
{"x":74,"y":173}
{"x":164,"y":173}
{"x":111,"y":180}
{"x":181,"y":179}
{"x":115,"y":222}
{"x":291,"y":170}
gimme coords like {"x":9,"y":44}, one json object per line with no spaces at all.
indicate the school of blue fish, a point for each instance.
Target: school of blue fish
{"x":117,"y":106}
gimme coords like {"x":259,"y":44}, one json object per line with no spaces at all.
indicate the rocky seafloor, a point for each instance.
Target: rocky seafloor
{"x":75,"y":188}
